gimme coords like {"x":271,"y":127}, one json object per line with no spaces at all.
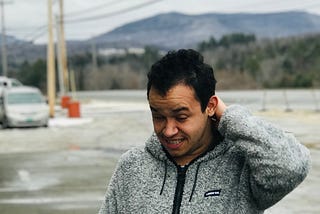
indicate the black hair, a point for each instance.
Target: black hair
{"x":186,"y":67}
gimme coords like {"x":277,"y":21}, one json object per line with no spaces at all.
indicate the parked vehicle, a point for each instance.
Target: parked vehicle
{"x":1,"y":104}
{"x":23,"y":107}
{"x":9,"y":82}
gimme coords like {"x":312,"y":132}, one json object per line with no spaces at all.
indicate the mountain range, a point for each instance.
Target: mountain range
{"x":175,"y":30}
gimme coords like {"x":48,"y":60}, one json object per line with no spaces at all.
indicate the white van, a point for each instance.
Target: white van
{"x":9,"y":82}
{"x":23,"y":107}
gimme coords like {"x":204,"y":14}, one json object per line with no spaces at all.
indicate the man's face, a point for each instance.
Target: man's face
{"x":182,"y":128}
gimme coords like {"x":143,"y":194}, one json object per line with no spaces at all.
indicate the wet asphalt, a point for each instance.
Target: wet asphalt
{"x":54,"y":182}
{"x":66,"y":168}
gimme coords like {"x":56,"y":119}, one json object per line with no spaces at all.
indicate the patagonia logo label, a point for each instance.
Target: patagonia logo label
{"x":210,"y":193}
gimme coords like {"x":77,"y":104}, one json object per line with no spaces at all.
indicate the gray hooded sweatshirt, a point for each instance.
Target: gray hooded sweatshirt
{"x":251,"y":169}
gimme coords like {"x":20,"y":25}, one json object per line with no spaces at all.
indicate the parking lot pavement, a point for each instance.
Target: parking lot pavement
{"x":65,"y":168}
{"x":54,"y":182}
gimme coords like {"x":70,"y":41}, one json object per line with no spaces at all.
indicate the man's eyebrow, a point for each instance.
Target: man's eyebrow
{"x":180,"y":109}
{"x":177,"y":110}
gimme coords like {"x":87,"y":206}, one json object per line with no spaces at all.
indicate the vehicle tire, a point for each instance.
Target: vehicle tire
{"x":5,"y":123}
{"x":45,"y":125}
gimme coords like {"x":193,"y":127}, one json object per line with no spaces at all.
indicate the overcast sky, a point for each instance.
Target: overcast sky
{"x":27,"y":19}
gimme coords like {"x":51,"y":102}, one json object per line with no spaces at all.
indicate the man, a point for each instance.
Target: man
{"x":204,"y":157}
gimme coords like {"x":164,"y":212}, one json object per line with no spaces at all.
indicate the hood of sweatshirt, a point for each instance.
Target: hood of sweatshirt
{"x":154,"y":147}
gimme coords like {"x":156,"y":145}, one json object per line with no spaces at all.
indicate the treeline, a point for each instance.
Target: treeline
{"x":125,"y":71}
{"x":240,"y":62}
{"x":289,"y":62}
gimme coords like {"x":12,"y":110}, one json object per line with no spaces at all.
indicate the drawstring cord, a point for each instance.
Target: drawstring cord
{"x":164,"y":178}
{"x":195,"y":182}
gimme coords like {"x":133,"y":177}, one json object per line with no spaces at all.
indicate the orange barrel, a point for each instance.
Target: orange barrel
{"x":74,"y":109}
{"x":65,"y":101}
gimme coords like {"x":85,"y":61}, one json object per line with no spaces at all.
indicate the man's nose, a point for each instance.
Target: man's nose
{"x":170,"y":129}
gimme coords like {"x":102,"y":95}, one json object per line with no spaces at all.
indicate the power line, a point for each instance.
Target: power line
{"x":38,"y":32}
{"x":69,"y":14}
{"x":35,"y":34}
{"x":41,"y":30}
{"x":81,"y":12}
{"x":107,"y":15}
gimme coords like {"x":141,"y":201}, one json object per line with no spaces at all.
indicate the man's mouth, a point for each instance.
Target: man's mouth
{"x":173,"y":143}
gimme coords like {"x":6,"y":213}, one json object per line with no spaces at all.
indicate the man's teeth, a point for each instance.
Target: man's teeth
{"x":174,"y":141}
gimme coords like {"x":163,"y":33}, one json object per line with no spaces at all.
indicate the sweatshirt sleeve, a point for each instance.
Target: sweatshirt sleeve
{"x":109,"y":204}
{"x":277,"y":161}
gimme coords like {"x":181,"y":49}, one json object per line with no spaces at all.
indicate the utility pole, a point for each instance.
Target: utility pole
{"x":62,"y":45}
{"x":60,"y":68}
{"x":3,"y":41}
{"x":50,"y":63}
{"x":94,"y":56}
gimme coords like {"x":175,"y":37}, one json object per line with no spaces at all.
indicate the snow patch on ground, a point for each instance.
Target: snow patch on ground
{"x":64,"y":122}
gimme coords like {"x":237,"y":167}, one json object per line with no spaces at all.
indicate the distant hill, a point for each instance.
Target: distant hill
{"x":176,"y":30}
{"x":11,"y":40}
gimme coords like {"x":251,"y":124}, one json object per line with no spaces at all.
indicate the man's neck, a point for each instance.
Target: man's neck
{"x":183,"y":161}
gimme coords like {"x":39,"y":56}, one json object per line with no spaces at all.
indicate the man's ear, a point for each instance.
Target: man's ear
{"x":212,"y":105}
